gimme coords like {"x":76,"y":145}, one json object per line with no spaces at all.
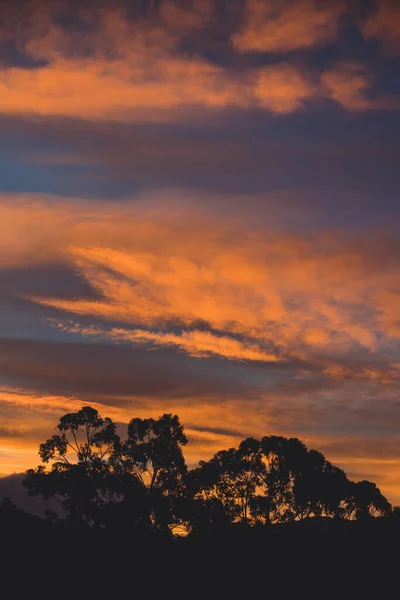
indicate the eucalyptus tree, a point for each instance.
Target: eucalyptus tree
{"x":151,"y":458}
{"x":81,"y":476}
{"x":230,"y":480}
{"x":281,"y":458}
{"x":367,"y":501}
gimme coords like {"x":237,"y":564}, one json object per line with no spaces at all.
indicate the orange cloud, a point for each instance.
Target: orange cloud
{"x":38,"y":416}
{"x":347,"y":84}
{"x":320,"y":311}
{"x":281,"y":25}
{"x":134,"y":69}
{"x":124,"y":69}
{"x":271,"y":296}
{"x":384,"y":25}
{"x":350,"y":85}
{"x":113,"y":90}
{"x":116,"y":90}
{"x":194,"y":342}
{"x":282,"y":88}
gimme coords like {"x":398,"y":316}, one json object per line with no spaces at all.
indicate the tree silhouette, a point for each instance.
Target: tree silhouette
{"x":367,"y":501}
{"x":230,"y":480}
{"x":151,"y":462}
{"x":309,"y":487}
{"x":281,"y":461}
{"x":142,"y":484}
{"x":81,"y":476}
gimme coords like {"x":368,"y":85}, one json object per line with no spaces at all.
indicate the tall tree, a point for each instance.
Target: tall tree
{"x":152,"y":456}
{"x":280,"y":458}
{"x":230,"y":478}
{"x":81,"y":477}
{"x":367,"y":501}
{"x":321,"y":489}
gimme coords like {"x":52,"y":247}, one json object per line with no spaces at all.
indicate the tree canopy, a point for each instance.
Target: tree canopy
{"x":143,"y":483}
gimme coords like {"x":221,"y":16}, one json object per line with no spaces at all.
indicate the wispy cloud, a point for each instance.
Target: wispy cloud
{"x":162,"y":269}
{"x":195,"y":342}
{"x":245,"y":314}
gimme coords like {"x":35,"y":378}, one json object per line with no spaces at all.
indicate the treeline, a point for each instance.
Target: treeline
{"x":142,"y":484}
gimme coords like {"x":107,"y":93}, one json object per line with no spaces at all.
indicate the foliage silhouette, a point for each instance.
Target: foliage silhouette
{"x":266,"y":503}
{"x":142,"y":483}
{"x":81,"y":478}
{"x":151,"y":464}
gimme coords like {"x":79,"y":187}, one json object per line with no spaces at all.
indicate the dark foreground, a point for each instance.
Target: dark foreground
{"x":318,"y":558}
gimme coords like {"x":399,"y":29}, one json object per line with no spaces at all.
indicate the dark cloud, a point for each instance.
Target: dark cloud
{"x":18,"y":314}
{"x":344,"y":411}
{"x":310,"y":171}
{"x":371,"y":446}
{"x":107,"y":372}
{"x":217,"y":430}
{"x":43,"y":280}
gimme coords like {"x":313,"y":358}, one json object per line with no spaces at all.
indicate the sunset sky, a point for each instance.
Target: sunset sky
{"x":199,"y":214}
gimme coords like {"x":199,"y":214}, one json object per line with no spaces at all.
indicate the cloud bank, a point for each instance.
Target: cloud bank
{"x":153,"y":64}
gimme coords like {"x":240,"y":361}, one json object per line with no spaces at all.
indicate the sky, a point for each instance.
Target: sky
{"x":199,"y":214}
